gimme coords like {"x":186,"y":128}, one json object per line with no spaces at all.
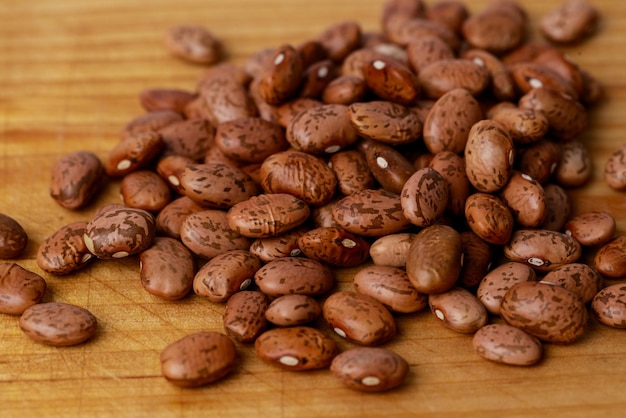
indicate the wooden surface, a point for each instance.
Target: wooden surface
{"x":70,"y":72}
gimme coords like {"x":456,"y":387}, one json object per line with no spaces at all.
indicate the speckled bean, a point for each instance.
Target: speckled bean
{"x":293,"y":310}
{"x":289,"y":275}
{"x":166,"y":269}
{"x":592,"y":228}
{"x":58,"y":324}
{"x":76,"y":179}
{"x":542,"y":249}
{"x":609,"y":306}
{"x":244,"y":315}
{"x":13,"y":237}
{"x":19,"y":288}
{"x":64,"y":251}
{"x":370,"y":369}
{"x":502,"y":343}
{"x":458,"y":309}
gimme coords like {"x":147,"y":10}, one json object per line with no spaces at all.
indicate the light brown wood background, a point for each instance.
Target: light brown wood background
{"x":70,"y":72}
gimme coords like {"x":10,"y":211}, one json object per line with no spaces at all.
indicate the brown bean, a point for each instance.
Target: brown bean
{"x":207,"y":234}
{"x":542,"y":249}
{"x":340,"y":39}
{"x":352,"y":172}
{"x":559,"y":62}
{"x":345,"y":90}
{"x":391,"y":287}
{"x":296,"y":348}
{"x":489,"y":218}
{"x":322,"y":129}
{"x":267,"y":215}
{"x":570,"y":21}
{"x":283,"y":78}
{"x":546,"y":311}
{"x":226,"y":98}
{"x":591,"y":228}
{"x":424,"y":197}
{"x":64,"y":251}
{"x":13,"y":237}
{"x":502,"y":85}
{"x":144,"y":189}
{"x":425,"y":50}
{"x":170,"y":219}
{"x":443,"y":76}
{"x":370,"y":369}
{"x":526,"y":199}
{"x":459,"y":310}
{"x":448,"y":124}
{"x":608,"y":306}
{"x":316,"y":77}
{"x":498,"y":281}
{"x":166,"y":269}
{"x":386,"y":122}
{"x":403,"y":29}
{"x":171,"y":168}
{"x":610,"y":259}
{"x":291,"y":108}
{"x":151,"y":121}
{"x":390,"y":80}
{"x":135,"y":151}
{"x":574,"y":168}
{"x":434,"y":259}
{"x":289,"y":275}
{"x":370,"y":212}
{"x":391,"y":250}
{"x":154,"y":99}
{"x":388,"y":165}
{"x":244,"y":315}
{"x":578,"y":278}
{"x":76,"y":179}
{"x":226,"y":274}
{"x":530,"y":75}
{"x":498,"y":28}
{"x":540,"y":159}
{"x":284,"y":245}
{"x":478,"y":255}
{"x":615,"y":169}
{"x":334,"y":246}
{"x":293,"y":310}
{"x":117,"y":231}
{"x":190,"y":138}
{"x":452,"y":167}
{"x":524,"y":126}
{"x":19,"y":288}
{"x":558,"y":207}
{"x":58,"y":324}
{"x":250,"y":139}
{"x":317,"y":182}
{"x":502,"y":343}
{"x":359,"y":318}
{"x":193,"y":43}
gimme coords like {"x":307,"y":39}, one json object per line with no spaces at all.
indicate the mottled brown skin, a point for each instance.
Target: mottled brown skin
{"x":167,"y":269}
{"x":171,"y":168}
{"x":135,"y":150}
{"x":498,"y":281}
{"x":311,"y":52}
{"x":64,"y":251}
{"x":592,"y":228}
{"x":76,"y":178}
{"x":527,"y":74}
{"x":424,"y":197}
{"x":459,"y":310}
{"x":250,"y":139}
{"x":390,"y":80}
{"x":558,"y":207}
{"x":334,"y":246}
{"x":226,"y":98}
{"x":190,"y":138}
{"x":546,"y":311}
{"x":244,"y":315}
{"x":391,"y":250}
{"x":207,"y":234}
{"x":117,"y":231}
{"x":423,"y":51}
{"x":610,"y":259}
{"x":13,"y":238}
{"x":502,"y":343}
{"x":579,"y":278}
{"x":526,"y":200}
{"x":402,"y":31}
{"x":284,"y":245}
{"x":542,"y":249}
{"x":443,"y":76}
{"x":316,"y":77}
{"x":489,"y":156}
{"x":340,"y":39}
{"x":567,"y":117}
{"x":569,"y":22}
{"x":217,"y":185}
{"x":609,"y":306}
{"x":478,"y":256}
{"x":539,"y":160}
{"x":489,"y":218}
{"x":154,"y":99}
{"x":345,"y":90}
{"x":496,"y":29}
{"x":58,"y":324}
{"x":321,"y":130}
{"x":144,"y":189}
{"x":559,"y":62}
{"x":19,"y":288}
{"x":303,"y":175}
{"x":524,"y":126}
{"x":283,"y":78}
{"x":451,"y":166}
{"x":198,"y":359}
{"x":390,"y":167}
{"x":502,"y":85}
{"x":371,"y":212}
{"x":574,"y":168}
{"x":288,"y":110}
{"x":291,"y":275}
{"x":391,"y":287}
{"x":226,"y":274}
{"x":170,"y":219}
{"x":615,"y":169}
{"x":448,"y":124}
{"x":355,"y":61}
{"x":434,"y":259}
{"x":258,"y":62}
{"x":352,"y":172}
{"x":268,"y":215}
{"x":362,"y":319}
{"x":293,"y":310}
{"x":296,"y":348}
{"x":370,"y":369}
{"x":386,"y":122}
{"x":193,"y":43}
{"x":264,"y":110}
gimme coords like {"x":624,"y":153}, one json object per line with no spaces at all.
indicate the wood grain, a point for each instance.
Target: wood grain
{"x":70,"y":74}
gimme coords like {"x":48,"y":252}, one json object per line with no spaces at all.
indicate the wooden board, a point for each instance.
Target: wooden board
{"x":70,"y":73}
